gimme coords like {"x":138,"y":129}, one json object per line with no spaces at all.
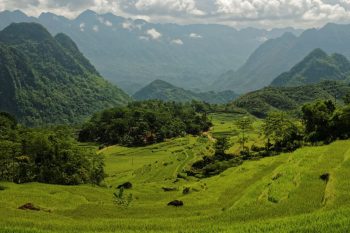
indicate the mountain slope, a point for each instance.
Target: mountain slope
{"x":314,"y":68}
{"x":162,"y":90}
{"x":279,"y":55}
{"x":260,"y":102}
{"x":47,"y":80}
{"x":132,"y":53}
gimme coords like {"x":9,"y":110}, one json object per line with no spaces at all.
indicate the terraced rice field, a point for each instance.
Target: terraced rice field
{"x":276,"y":194}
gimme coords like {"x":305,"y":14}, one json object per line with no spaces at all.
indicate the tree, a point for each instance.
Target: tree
{"x":222,"y":144}
{"x":282,"y":131}
{"x":120,"y":198}
{"x":346,"y":98}
{"x":317,"y":120}
{"x":340,"y":123}
{"x":244,"y":124}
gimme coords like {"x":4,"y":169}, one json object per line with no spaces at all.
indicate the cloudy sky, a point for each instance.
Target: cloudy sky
{"x":238,"y":13}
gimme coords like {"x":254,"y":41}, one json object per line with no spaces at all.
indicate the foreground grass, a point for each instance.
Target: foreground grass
{"x":275,"y":194}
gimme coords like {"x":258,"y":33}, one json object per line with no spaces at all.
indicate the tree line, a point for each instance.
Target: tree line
{"x":45,"y":155}
{"x":320,"y":122}
{"x":146,"y":122}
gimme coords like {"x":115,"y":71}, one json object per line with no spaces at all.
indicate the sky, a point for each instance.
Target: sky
{"x":237,"y":13}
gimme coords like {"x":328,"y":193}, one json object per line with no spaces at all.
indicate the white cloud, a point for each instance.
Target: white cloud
{"x":315,"y":10}
{"x":108,"y":23}
{"x":177,"y":42}
{"x":154,"y":34}
{"x":95,"y":28}
{"x":262,"y":39}
{"x":239,"y":13}
{"x":144,"y":38}
{"x":82,"y":27}
{"x":195,"y":35}
{"x":128,"y":25}
{"x":131,"y":25}
{"x":168,"y":6}
{"x":105,"y":22}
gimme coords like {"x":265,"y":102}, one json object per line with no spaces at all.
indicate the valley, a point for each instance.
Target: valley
{"x":180,"y":116}
{"x":276,"y":194}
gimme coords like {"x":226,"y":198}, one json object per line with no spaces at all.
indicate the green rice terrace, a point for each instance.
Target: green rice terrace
{"x":303,"y":191}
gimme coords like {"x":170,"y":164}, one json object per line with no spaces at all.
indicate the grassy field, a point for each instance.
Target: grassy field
{"x":275,"y":194}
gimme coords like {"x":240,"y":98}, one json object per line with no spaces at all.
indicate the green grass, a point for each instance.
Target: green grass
{"x":275,"y":194}
{"x":225,"y":126}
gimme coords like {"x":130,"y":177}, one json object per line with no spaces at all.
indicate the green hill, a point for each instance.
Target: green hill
{"x":165,"y":91}
{"x":260,"y":102}
{"x":47,"y":80}
{"x":314,"y":68}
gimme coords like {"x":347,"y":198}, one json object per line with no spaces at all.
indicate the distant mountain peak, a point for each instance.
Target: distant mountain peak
{"x":51,"y":16}
{"x":24,"y":31}
{"x":317,"y":66}
{"x":317,"y":53}
{"x":48,"y":80}
{"x":87,"y":14}
{"x":162,"y":90}
{"x":159,"y":82}
{"x":289,"y":35}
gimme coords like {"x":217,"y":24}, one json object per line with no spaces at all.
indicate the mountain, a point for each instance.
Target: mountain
{"x":132,"y":53}
{"x":279,"y":55}
{"x":260,"y":102}
{"x":162,"y":90}
{"x":316,"y":67}
{"x":45,"y":79}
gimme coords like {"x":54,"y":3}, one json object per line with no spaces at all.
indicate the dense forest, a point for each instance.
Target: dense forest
{"x":291,"y":99}
{"x":142,"y":123}
{"x":45,"y":155}
{"x":47,"y":80}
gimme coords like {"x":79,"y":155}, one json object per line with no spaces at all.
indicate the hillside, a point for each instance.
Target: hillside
{"x":48,"y":80}
{"x":279,"y":55}
{"x":275,"y":194}
{"x":132,"y":53}
{"x":165,"y":91}
{"x":260,"y":102}
{"x":314,"y":68}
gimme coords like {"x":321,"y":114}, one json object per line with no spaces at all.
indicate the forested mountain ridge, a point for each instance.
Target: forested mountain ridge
{"x":263,"y":101}
{"x":314,"y":68}
{"x":279,"y":55}
{"x":132,"y":53}
{"x":165,"y":91}
{"x":47,"y":80}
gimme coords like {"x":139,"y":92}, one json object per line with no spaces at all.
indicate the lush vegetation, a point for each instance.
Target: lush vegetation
{"x":215,"y":164}
{"x":43,"y":155}
{"x":274,"y":194}
{"x":290,"y":99}
{"x":223,"y":169}
{"x":47,"y":80}
{"x":162,"y":90}
{"x":324,"y":121}
{"x":320,"y":122}
{"x":314,"y":68}
{"x":143,"y":123}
